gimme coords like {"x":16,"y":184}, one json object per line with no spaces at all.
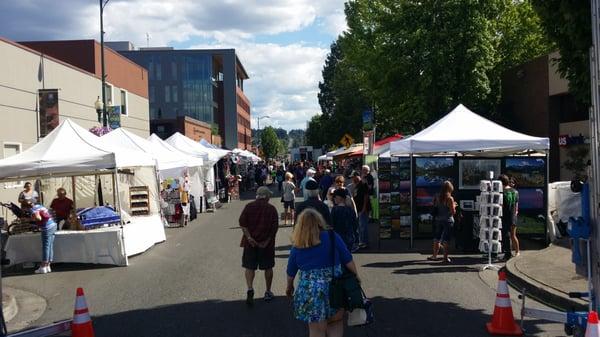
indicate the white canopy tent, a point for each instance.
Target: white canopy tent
{"x":171,"y":163}
{"x":72,"y":151}
{"x":193,"y":148}
{"x":51,"y":157}
{"x":464,"y":131}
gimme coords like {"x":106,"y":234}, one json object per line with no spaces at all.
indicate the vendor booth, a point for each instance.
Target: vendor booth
{"x":210,"y":157}
{"x":173,"y":166}
{"x":462,"y":147}
{"x":115,"y":192}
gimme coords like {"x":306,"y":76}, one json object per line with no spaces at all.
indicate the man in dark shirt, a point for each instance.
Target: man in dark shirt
{"x":259,"y":222}
{"x":367,"y":177}
{"x":325,"y":183}
{"x":363,"y":207}
{"x":61,"y":205}
{"x":312,"y":201}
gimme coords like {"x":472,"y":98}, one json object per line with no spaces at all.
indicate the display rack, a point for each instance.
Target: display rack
{"x":490,"y":221}
{"x":139,"y":200}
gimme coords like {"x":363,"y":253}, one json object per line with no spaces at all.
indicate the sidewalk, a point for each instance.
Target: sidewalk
{"x":548,"y":275}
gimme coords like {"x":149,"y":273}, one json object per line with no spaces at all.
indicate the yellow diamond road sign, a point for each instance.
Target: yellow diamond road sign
{"x":347,"y":140}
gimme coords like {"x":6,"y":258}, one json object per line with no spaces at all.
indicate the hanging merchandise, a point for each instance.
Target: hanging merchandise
{"x":490,"y":221}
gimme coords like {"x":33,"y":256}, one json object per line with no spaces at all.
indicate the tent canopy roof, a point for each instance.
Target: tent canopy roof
{"x":166,"y":159}
{"x":160,"y":145}
{"x":464,"y":131}
{"x":188,"y":146}
{"x":68,"y":149}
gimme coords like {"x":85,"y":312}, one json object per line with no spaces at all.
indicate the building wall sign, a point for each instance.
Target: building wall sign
{"x":568,"y":140}
{"x":48,"y":110}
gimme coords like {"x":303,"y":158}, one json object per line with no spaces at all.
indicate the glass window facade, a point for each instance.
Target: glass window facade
{"x":184,"y":89}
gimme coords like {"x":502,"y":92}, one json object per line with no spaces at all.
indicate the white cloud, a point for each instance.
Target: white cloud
{"x":283,"y":81}
{"x":283,"y":77}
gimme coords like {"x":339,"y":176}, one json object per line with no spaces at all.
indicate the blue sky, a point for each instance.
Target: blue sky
{"x":282,"y":43}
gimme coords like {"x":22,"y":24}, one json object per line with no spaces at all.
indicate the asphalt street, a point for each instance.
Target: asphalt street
{"x":193,"y":285}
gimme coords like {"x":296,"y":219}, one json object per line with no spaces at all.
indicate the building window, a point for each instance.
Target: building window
{"x":158,"y":71}
{"x":174,"y":94}
{"x":151,"y":70}
{"x":124,"y":102}
{"x":151,"y":94}
{"x":173,"y":70}
{"x":108,"y":91}
{"x":11,"y":149}
{"x":167,"y":94}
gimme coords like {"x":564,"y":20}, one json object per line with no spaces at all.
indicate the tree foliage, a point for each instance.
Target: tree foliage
{"x":568,"y":24}
{"x":269,"y":142}
{"x":413,"y":61}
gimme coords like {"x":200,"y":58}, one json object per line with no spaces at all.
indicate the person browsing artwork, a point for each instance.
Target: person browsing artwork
{"x":510,"y":210}
{"x":43,"y":219}
{"x":363,"y":207}
{"x":444,"y":209}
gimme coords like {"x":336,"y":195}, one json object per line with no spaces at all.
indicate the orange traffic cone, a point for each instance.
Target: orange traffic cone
{"x":503,"y":322}
{"x":82,"y":323}
{"x":592,"y":325}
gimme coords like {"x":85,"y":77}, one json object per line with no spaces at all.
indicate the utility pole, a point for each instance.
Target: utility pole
{"x":595,"y":147}
{"x":104,"y":117}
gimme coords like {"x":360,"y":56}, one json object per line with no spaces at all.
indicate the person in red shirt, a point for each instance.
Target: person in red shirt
{"x":61,"y":206}
{"x":259,"y":222}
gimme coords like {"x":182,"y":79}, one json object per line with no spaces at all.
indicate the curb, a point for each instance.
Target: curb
{"x":541,"y":292}
{"x":9,"y":306}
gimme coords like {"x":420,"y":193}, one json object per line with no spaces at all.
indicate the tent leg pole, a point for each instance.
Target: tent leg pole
{"x":412,"y":205}
{"x":74,"y":191}
{"x":118,"y":210}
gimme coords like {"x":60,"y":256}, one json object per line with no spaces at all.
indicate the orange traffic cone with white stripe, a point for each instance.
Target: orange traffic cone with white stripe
{"x":82,"y":323}
{"x":592,"y":325}
{"x":503,"y":322}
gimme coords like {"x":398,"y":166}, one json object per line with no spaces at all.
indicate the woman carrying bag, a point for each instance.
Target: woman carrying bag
{"x":311,"y":255}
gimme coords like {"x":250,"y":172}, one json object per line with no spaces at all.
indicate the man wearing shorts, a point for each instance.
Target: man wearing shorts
{"x":259,"y":222}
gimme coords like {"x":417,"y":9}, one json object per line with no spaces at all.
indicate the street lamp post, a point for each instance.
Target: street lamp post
{"x":258,"y":125}
{"x":104,"y":118}
{"x":99,"y":108}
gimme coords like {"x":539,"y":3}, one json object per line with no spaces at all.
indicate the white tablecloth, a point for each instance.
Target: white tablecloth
{"x":111,"y":245}
{"x":99,"y":246}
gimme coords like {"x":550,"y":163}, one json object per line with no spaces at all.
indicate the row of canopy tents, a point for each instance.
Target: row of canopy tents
{"x":71,"y":151}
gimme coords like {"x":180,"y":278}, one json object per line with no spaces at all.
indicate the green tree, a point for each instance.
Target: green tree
{"x":269,"y":142}
{"x":568,"y":24}
{"x":416,"y":60}
{"x":282,"y":149}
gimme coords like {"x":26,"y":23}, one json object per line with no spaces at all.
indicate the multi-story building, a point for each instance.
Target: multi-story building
{"x":39,"y":88}
{"x":536,"y":101}
{"x":205,"y":85}
{"x":38,"y":91}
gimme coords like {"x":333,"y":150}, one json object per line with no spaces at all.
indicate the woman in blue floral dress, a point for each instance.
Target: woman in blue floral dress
{"x":311,"y":255}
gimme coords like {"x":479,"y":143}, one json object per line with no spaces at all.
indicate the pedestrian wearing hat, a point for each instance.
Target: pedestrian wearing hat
{"x":343,"y":219}
{"x":312,"y":201}
{"x":259,"y":222}
{"x":310,"y":173}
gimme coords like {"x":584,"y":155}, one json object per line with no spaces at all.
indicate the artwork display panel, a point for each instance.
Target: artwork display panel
{"x":472,"y":171}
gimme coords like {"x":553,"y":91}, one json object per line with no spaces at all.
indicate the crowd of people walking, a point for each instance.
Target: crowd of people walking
{"x":329,"y":224}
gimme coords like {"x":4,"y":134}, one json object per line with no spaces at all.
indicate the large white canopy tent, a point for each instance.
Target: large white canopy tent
{"x":170,"y":163}
{"x":193,"y":148}
{"x":71,"y":152}
{"x":463,"y":131}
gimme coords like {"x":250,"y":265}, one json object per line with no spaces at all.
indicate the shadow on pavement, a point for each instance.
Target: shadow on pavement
{"x":394,"y":317}
{"x":445,"y":268}
{"x":456,"y":260}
